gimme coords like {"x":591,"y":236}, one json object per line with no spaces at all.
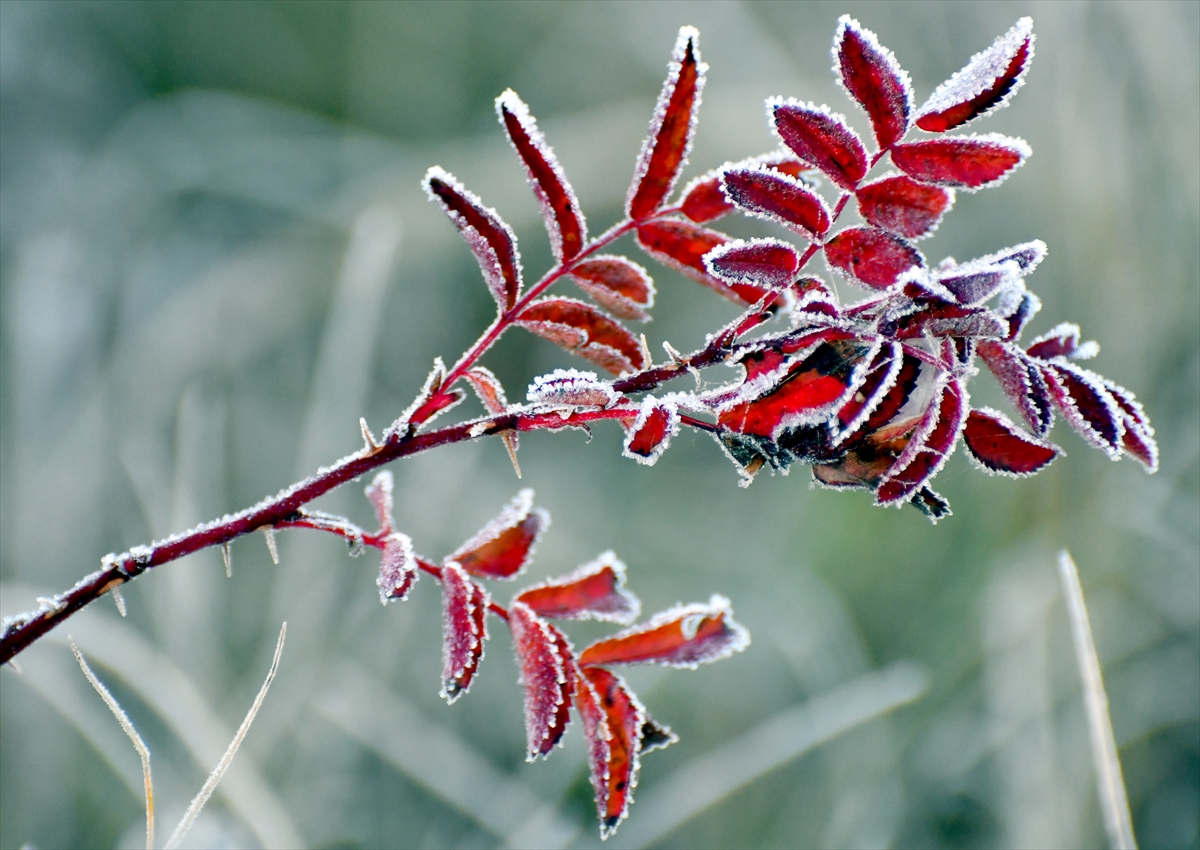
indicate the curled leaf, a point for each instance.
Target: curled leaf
{"x":572,"y":388}
{"x":987,"y":83}
{"x":618,"y":284}
{"x":930,"y":446}
{"x":665,"y":150}
{"x":873,"y":77}
{"x":595,"y":591}
{"x":999,"y":446}
{"x":490,"y":239}
{"x":1086,"y":404}
{"x":560,"y":208}
{"x":544,"y":658}
{"x":505,"y":545}
{"x":1021,"y":381}
{"x":684,"y":636}
{"x":464,"y":612}
{"x":613,"y":722}
{"x":397,"y":568}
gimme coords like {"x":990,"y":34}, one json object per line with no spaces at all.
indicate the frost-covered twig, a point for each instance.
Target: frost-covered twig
{"x":128,"y":728}
{"x":1110,"y":784}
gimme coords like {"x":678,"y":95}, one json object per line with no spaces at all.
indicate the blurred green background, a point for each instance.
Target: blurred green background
{"x":215,"y":257}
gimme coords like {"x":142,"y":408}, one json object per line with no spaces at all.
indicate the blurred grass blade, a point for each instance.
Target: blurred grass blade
{"x":1109,"y":781}
{"x":210,"y":785}
{"x":156,"y":680}
{"x":127,"y":726}
{"x":435,"y":758}
{"x":706,"y":780}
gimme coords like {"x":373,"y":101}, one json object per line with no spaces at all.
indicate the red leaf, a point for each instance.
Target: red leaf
{"x":764,"y":262}
{"x":618,"y":284}
{"x":880,"y":377}
{"x":560,"y":208}
{"x":895,"y":398}
{"x":491,"y":394}
{"x":1022,"y":307}
{"x":544,"y":657}
{"x":379,"y":492}
{"x":941,"y":319}
{"x":929,"y":448}
{"x":764,"y":192}
{"x":595,"y":591}
{"x":613,"y":722}
{"x":504,"y":546}
{"x":682,"y":246}
{"x":684,"y":636}
{"x":904,"y":206}
{"x":702,"y":199}
{"x":1087,"y":405}
{"x":822,"y":139}
{"x":873,"y":77}
{"x":1062,"y":341}
{"x":987,"y":83}
{"x":961,"y":162}
{"x":650,"y":434}
{"x":998,"y":445}
{"x":490,"y":239}
{"x":812,"y":388}
{"x":464,"y":610}
{"x":671,"y":130}
{"x":1021,"y":381}
{"x":1138,"y":439}
{"x":583,"y":330}
{"x":397,"y":568}
{"x":871,"y":256}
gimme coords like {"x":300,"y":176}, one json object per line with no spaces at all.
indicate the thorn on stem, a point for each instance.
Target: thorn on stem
{"x":228,"y":559}
{"x":119,"y":599}
{"x":369,"y":444}
{"x":510,"y":443}
{"x":269,"y":533}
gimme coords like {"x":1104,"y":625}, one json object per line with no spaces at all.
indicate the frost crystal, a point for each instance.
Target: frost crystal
{"x":572,"y":388}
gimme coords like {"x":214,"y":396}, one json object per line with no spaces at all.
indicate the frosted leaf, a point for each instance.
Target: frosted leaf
{"x":951,"y":320}
{"x":505,"y":545}
{"x":560,"y":208}
{"x":974,"y":283}
{"x":1021,"y":381}
{"x":880,"y":377}
{"x":595,"y":591}
{"x":421,"y":404}
{"x":583,"y":330}
{"x":767,"y":263}
{"x":987,"y":83}
{"x":811,"y":390}
{"x":379,"y":491}
{"x":870,"y":74}
{"x":397,"y":568}
{"x":1062,"y":341}
{"x":703,"y":200}
{"x":998,"y":446}
{"x":573,"y":388}
{"x":543,"y":658}
{"x":684,"y":636}
{"x":769,"y":194}
{"x":1138,"y":438}
{"x":613,"y":722}
{"x":665,"y":151}
{"x":1086,"y":404}
{"x":617,"y":284}
{"x":490,"y":239}
{"x":903,"y":206}
{"x":821,"y":138}
{"x":969,"y":163}
{"x":930,"y":446}
{"x":650,"y":434}
{"x":682,"y":245}
{"x":464,"y":611}
{"x":871,"y":257}
{"x":1027,"y":256}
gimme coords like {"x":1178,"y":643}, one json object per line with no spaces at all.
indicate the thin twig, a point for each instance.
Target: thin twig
{"x":127,"y":726}
{"x":1109,"y":782}
{"x":193,"y":810}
